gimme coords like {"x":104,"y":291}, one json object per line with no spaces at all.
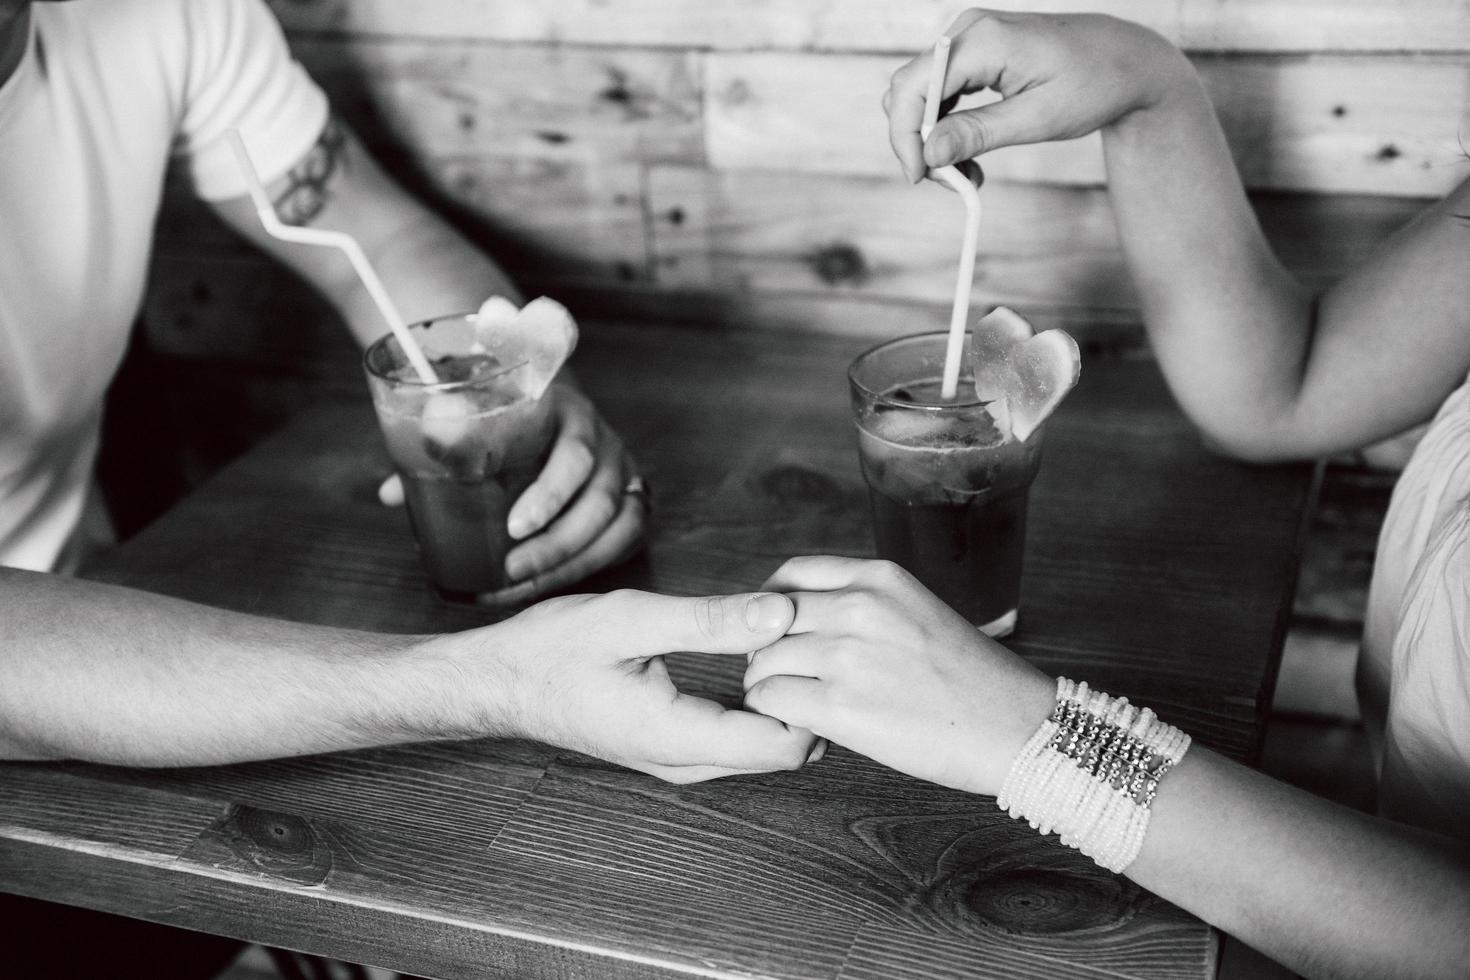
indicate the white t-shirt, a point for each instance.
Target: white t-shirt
{"x":107,"y":94}
{"x":1415,"y":668}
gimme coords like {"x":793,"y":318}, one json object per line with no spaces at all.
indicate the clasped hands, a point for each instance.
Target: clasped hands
{"x":850,"y":650}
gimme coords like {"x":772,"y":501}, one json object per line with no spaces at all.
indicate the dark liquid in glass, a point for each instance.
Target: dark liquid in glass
{"x":460,"y":526}
{"x":968,"y":554}
{"x":949,"y":492}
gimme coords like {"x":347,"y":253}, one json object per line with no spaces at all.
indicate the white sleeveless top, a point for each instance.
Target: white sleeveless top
{"x":1414,"y":669}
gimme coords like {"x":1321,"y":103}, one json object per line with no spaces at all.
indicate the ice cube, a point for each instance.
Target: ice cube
{"x":466,"y":367}
{"x":445,"y":418}
{"x":911,"y":428}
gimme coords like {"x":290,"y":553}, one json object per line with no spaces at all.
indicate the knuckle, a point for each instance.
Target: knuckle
{"x":974,"y":131}
{"x":709,"y":617}
{"x":888,"y":573}
{"x":600,"y":509}
{"x":903,"y":76}
{"x":765,"y":698}
{"x":620,"y":597}
{"x":855,"y":608}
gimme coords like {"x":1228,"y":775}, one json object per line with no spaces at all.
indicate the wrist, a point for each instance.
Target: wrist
{"x":984,"y":763}
{"x":435,"y":688}
{"x":1091,"y":772}
{"x":1034,"y":703}
{"x":1170,"y":91}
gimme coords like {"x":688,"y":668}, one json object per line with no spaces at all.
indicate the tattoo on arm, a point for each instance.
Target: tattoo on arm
{"x":306,"y":185}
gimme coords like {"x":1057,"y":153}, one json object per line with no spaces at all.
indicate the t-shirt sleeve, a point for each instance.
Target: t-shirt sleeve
{"x":240,"y":75}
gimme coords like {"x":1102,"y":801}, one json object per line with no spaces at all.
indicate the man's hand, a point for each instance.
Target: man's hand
{"x":578,"y":516}
{"x":587,"y":673}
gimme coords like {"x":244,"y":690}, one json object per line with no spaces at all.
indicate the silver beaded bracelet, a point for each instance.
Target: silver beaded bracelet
{"x":1090,"y":773}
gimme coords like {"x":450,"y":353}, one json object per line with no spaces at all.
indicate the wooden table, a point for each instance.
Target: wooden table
{"x":1153,"y":570}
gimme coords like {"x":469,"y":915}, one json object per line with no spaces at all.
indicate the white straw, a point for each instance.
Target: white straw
{"x":339,"y":240}
{"x":960,"y":313}
{"x":935,"y":94}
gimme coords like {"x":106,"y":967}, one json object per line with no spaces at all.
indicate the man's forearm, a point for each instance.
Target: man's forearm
{"x":90,"y":671}
{"x":431,"y":270}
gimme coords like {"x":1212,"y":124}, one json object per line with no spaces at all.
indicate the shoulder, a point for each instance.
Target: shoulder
{"x":174,"y":37}
{"x":139,"y":26}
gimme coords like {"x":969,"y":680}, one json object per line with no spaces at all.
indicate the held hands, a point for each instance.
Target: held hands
{"x":875,"y":662}
{"x":587,"y":673}
{"x":1060,"y":76}
{"x":577,"y":517}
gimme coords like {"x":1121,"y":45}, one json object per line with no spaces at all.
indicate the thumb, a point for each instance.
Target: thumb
{"x":965,"y":135}
{"x":714,"y":624}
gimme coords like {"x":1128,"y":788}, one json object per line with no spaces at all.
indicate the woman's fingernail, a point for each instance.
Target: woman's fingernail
{"x":818,"y":750}
{"x":767,"y":611}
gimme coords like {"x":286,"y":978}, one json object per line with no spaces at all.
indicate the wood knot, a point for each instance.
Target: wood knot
{"x":1042,"y":901}
{"x":789,"y":483}
{"x":620,"y":92}
{"x":737,"y":93}
{"x":1388,"y":152}
{"x":281,"y":832}
{"x":838,"y":264}
{"x":999,"y":879}
{"x":281,"y":845}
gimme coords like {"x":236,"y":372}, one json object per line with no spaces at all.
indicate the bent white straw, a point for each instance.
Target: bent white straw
{"x":339,"y":240}
{"x":960,"y":313}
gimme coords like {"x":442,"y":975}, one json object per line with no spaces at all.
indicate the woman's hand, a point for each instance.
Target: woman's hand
{"x":875,"y":662}
{"x":1060,"y":76}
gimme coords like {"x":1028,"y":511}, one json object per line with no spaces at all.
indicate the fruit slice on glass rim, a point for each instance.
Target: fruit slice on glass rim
{"x":1023,"y":375}
{"x":541,"y":335}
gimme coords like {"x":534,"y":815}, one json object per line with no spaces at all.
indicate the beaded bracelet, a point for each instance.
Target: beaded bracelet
{"x":1090,"y":773}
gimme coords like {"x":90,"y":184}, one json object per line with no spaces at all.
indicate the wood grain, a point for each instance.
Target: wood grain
{"x":511,"y":100}
{"x":1153,"y":569}
{"x":1294,"y":124}
{"x":863,"y":25}
{"x":1045,"y":247}
{"x":887,"y":25}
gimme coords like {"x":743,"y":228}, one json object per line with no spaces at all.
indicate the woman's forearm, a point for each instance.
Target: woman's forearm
{"x":1263,"y":366}
{"x":1323,"y":889}
{"x":1230,"y":326}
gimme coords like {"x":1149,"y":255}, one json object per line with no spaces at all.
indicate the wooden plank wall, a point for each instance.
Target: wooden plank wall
{"x":677,"y":157}
{"x":726,"y":161}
